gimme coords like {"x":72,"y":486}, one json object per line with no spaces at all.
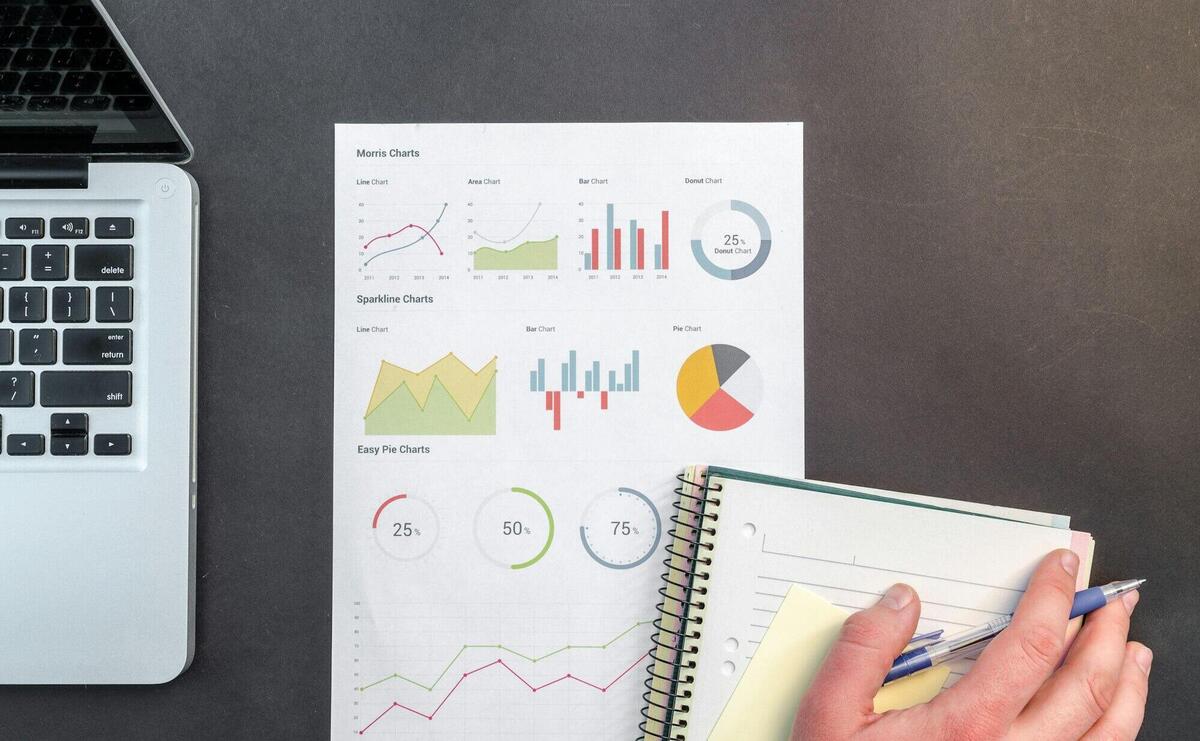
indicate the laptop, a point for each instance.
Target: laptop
{"x":98,"y":234}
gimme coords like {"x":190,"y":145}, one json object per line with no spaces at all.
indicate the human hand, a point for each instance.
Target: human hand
{"x":1019,"y":688}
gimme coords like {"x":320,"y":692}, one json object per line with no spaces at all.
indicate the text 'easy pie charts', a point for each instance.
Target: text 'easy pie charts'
{"x":719,"y":387}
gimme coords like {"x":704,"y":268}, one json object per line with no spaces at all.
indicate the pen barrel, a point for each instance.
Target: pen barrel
{"x":1088,"y":600}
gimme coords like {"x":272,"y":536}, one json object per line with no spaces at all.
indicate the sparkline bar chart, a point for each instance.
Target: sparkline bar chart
{"x":595,"y":381}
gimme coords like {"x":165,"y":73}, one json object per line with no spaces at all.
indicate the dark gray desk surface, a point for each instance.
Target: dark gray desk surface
{"x":1002,"y":276}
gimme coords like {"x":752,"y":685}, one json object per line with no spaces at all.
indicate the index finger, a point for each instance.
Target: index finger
{"x":1020,"y":660}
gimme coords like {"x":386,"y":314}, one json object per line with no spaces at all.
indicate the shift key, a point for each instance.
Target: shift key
{"x":87,"y":388}
{"x":104,"y":262}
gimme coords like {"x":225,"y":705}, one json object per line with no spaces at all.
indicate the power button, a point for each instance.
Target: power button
{"x":165,"y":188}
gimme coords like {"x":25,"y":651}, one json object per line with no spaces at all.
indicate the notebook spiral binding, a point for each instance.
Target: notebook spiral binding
{"x":677,"y":628}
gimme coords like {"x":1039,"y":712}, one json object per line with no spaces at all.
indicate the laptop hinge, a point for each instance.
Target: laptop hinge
{"x":43,"y":172}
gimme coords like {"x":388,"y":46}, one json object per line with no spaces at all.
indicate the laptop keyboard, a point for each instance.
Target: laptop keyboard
{"x":57,"y":57}
{"x":66,"y":334}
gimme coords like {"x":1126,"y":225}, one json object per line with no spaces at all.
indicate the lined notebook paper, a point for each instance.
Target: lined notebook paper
{"x":969,"y":564}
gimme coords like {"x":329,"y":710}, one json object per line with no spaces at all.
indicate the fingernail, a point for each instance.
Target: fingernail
{"x":1070,"y":563}
{"x":897,"y":597}
{"x":1143,"y":657}
{"x":1130,"y":600}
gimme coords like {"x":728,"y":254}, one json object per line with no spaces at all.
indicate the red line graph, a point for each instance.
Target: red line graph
{"x":510,"y":670}
{"x":403,"y":229}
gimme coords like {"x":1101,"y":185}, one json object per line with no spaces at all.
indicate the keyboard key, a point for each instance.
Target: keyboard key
{"x":114,"y":228}
{"x":80,"y":83}
{"x":114,"y":444}
{"x":15,"y":35}
{"x":97,"y":346}
{"x":109,"y":60}
{"x":72,"y":423}
{"x":30,"y":59}
{"x":114,"y":304}
{"x":70,"y":59}
{"x":6,"y":347}
{"x":10,"y":15}
{"x":47,"y":103}
{"x":39,"y":83}
{"x":69,"y":228}
{"x":90,"y":103}
{"x":12,"y":262}
{"x":85,"y":388}
{"x":103,"y":261}
{"x":70,"y":304}
{"x":90,"y":38}
{"x":68,"y":445}
{"x":26,"y":444}
{"x":51,"y":36}
{"x":27,"y":305}
{"x":16,"y":389}
{"x":9,"y":82}
{"x":24,"y":228}
{"x":80,"y":15}
{"x":11,"y":102}
{"x":123,"y":83}
{"x":39,"y":346}
{"x":133,"y":103}
{"x":42,"y":15}
{"x":48,"y":262}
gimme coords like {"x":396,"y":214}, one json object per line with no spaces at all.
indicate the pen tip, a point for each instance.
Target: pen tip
{"x":1140,"y":582}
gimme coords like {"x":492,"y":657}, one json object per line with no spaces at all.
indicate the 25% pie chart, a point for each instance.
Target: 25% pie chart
{"x":405,"y":527}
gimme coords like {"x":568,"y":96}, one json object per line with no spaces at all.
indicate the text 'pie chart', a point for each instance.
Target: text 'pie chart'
{"x":719,"y":387}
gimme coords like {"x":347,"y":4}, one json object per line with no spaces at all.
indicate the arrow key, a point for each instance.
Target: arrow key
{"x":114,"y":444}
{"x":26,"y":444}
{"x":75,"y":423}
{"x":68,"y":445}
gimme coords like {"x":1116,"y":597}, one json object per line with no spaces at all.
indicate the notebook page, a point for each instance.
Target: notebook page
{"x":967,"y":569}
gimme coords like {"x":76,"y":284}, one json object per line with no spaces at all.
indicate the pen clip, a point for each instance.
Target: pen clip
{"x":923,"y":640}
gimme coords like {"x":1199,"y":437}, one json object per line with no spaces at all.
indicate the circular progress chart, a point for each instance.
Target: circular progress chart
{"x":719,"y":387}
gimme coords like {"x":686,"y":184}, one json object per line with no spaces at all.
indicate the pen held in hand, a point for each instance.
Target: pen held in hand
{"x":971,"y":641}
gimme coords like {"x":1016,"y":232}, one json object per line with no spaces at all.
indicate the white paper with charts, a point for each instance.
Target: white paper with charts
{"x":537,"y":325}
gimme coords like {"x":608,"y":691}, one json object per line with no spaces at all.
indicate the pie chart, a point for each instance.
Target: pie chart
{"x":719,"y":387}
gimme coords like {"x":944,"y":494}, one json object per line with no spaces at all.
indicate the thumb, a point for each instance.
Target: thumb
{"x":857,"y":663}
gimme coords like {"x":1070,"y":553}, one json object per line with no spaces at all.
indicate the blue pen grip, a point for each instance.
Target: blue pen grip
{"x":909,"y":663}
{"x":1087,"y":600}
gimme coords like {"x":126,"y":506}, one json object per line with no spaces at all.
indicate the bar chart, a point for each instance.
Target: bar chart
{"x":599,"y":382}
{"x":625,"y":244}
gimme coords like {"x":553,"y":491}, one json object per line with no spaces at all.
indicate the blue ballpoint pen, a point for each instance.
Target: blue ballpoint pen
{"x":956,"y":646}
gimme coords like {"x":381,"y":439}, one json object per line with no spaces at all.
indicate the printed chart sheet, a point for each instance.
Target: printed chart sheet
{"x":537,"y":326}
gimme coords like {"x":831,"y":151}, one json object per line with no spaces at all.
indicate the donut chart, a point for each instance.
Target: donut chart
{"x":719,"y":387}
{"x":405,"y":527}
{"x":721,"y":244}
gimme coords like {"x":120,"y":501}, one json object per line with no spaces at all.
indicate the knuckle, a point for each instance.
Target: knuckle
{"x":1099,"y":689}
{"x":860,"y":631}
{"x":1042,"y":647}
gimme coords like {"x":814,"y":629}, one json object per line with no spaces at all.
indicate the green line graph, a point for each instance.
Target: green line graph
{"x":501,"y":647}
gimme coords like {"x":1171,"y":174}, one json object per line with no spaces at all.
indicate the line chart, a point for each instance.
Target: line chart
{"x":501,"y":663}
{"x":501,"y":647}
{"x":426,"y":233}
{"x":532,"y":216}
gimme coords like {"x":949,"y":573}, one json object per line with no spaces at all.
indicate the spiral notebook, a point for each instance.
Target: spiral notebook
{"x":740,"y":540}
